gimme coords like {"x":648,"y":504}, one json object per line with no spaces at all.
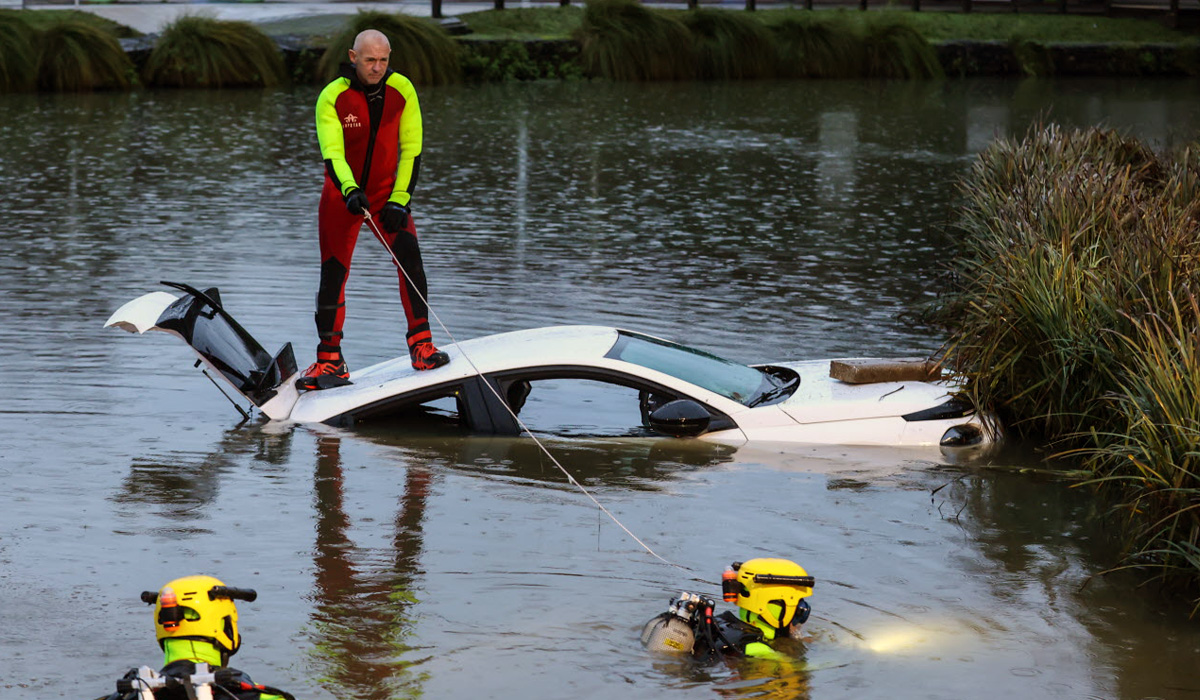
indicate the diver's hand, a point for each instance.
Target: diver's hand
{"x":394,"y":217}
{"x":356,"y":202}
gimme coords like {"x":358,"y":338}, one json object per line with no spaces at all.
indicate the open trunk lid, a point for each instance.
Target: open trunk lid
{"x":219,"y":340}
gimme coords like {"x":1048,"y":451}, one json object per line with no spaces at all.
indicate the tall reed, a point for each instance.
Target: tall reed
{"x":1075,"y":317}
{"x":18,"y":59}
{"x":1043,"y":221}
{"x":203,"y":52}
{"x":77,"y":57}
{"x":1153,"y":457}
{"x":421,"y":50}
{"x":892,"y":48}
{"x":731,"y":45}
{"x":811,"y":46}
{"x":624,"y":40}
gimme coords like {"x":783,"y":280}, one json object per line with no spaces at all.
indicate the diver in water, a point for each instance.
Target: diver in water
{"x":195,"y":622}
{"x":770,"y":601}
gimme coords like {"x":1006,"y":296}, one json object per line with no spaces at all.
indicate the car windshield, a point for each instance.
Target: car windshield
{"x":720,"y":376}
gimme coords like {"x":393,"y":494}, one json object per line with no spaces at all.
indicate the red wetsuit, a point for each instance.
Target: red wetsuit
{"x":370,"y":138}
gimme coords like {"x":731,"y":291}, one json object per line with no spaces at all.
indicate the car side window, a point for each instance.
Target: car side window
{"x":577,"y":407}
{"x":441,"y":408}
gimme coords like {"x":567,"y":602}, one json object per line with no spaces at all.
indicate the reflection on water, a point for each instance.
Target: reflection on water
{"x":363,"y":640}
{"x":761,"y":221}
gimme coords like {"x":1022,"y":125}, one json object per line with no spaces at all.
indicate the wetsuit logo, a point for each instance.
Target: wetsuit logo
{"x":350,"y":122}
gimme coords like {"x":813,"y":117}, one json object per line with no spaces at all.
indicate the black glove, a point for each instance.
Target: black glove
{"x":356,"y":202}
{"x":394,"y":217}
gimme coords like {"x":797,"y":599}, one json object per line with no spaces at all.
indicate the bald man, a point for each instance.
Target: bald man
{"x":369,"y":129}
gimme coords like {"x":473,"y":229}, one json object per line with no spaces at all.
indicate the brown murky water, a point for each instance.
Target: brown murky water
{"x":760,"y":221}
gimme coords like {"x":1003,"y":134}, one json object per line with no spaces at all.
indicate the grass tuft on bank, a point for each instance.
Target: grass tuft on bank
{"x":421,"y":50}
{"x":731,"y":45}
{"x":203,"y":52}
{"x":625,"y":40}
{"x":18,"y":58}
{"x":892,"y":48}
{"x":45,"y":18}
{"x":812,"y":46}
{"x":78,"y":57}
{"x":1075,"y":318}
{"x":525,"y":23}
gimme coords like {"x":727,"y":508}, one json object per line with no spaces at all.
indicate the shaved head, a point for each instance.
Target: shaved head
{"x":372,"y":37}
{"x":370,"y":56}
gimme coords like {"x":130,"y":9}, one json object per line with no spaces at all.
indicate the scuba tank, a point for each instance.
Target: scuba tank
{"x":673,"y":631}
{"x":668,"y":633}
{"x":689,"y":627}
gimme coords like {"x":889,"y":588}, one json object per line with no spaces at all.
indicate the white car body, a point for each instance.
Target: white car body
{"x":482,"y":371}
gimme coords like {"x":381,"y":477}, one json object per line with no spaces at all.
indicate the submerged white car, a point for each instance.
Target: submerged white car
{"x":679,"y":391}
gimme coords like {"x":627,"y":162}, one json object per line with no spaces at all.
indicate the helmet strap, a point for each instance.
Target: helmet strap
{"x":757,"y":620}
{"x":196,"y":649}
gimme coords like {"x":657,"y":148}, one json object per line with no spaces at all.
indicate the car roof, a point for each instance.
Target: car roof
{"x":534,"y":347}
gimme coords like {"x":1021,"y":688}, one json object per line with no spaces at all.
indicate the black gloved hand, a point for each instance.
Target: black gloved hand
{"x":394,"y":217}
{"x":356,"y":202}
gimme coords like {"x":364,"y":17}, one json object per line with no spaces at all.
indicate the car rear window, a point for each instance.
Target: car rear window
{"x":720,"y":376}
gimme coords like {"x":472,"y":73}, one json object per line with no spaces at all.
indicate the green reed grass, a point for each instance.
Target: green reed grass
{"x":731,"y":45}
{"x":421,"y":50}
{"x":203,"y":52}
{"x":892,"y":48}
{"x":1154,"y":458}
{"x":78,"y":57}
{"x":524,"y":23}
{"x":1074,"y":317}
{"x":18,"y":59}
{"x":624,"y":40}
{"x":1051,"y":239}
{"x":812,"y":46}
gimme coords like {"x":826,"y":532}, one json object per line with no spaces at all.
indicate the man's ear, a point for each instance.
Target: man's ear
{"x":353,"y":56}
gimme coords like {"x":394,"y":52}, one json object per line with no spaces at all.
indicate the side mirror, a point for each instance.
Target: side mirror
{"x":680,"y":418}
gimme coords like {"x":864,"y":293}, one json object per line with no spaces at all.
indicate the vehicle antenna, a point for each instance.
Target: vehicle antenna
{"x":570,"y":478}
{"x":245,"y":416}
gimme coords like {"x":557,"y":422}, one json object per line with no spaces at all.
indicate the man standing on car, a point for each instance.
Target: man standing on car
{"x":369,"y":130}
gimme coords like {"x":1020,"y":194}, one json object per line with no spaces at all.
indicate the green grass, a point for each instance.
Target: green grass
{"x":79,"y":57}
{"x":892,"y":48}
{"x":202,"y":52}
{"x":1155,"y":458}
{"x":624,"y":40}
{"x":950,"y":26}
{"x":42,"y":19}
{"x":61,"y":51}
{"x":731,"y":45}
{"x":812,"y":45}
{"x":421,"y":50}
{"x":525,"y":23}
{"x":1075,"y":318}
{"x":18,"y":58}
{"x":555,"y":22}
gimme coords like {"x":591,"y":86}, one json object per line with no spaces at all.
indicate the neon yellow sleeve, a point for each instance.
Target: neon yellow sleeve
{"x":759,"y":650}
{"x":329,"y":135}
{"x":411,"y":137}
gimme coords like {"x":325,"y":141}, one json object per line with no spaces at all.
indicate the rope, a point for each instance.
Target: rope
{"x":570,"y":478}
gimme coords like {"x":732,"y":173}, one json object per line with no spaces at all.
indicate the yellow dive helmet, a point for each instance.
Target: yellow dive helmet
{"x":773,"y":589}
{"x":198,"y":607}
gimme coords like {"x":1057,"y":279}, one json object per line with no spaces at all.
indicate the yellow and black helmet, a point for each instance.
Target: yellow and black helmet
{"x":773,"y":589}
{"x":198,"y":607}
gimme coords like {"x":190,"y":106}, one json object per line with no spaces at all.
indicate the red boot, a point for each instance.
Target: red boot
{"x":327,"y":372}
{"x":425,"y":356}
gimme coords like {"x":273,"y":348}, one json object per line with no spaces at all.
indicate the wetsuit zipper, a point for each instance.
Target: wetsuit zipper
{"x":375,"y":115}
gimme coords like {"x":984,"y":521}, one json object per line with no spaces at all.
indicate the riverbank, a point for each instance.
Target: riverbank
{"x":544,"y":42}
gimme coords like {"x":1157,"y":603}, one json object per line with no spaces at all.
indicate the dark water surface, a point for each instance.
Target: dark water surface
{"x":760,"y":221}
